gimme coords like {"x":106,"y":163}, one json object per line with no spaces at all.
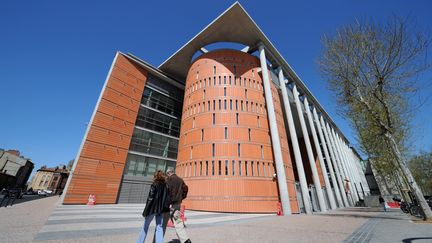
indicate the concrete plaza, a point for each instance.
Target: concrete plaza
{"x":43,"y":220}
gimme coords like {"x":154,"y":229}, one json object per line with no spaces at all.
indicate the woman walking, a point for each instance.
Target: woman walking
{"x":158,"y":202}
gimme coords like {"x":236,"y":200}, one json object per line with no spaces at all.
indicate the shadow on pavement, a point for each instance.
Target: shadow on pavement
{"x":408,"y":240}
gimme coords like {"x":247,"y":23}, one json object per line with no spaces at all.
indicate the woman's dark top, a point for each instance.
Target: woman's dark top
{"x":158,"y":200}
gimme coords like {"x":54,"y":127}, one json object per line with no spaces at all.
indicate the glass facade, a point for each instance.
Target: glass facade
{"x":156,"y":130}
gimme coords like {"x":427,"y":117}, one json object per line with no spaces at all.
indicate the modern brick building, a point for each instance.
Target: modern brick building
{"x":238,"y":125}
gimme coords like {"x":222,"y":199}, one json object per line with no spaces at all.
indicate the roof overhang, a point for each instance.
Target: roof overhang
{"x":236,"y":25}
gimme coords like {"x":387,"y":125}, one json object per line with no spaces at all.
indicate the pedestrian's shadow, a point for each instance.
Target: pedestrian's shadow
{"x":174,"y":241}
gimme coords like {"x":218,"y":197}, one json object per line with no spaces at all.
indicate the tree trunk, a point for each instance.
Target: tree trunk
{"x":411,"y":182}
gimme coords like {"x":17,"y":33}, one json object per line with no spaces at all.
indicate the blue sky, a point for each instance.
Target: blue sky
{"x":55,"y":56}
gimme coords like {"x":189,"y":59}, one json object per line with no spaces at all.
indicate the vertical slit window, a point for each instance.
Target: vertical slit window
{"x":262,"y":152}
{"x":252,"y":168}
{"x":225,"y":104}
{"x":204,"y":94}
{"x":213,"y":150}
{"x":237,"y":118}
{"x":226,"y":132}
{"x":214,"y":81}
{"x":200,"y":169}
{"x":206,"y":168}
{"x":241,"y":105}
{"x":193,"y":122}
{"x":233,"y":167}
{"x":214,"y":69}
{"x":238,"y":150}
{"x":236,"y":105}
{"x":246,"y":168}
{"x":247,"y":106}
{"x":213,"y":169}
{"x":258,"y":121}
{"x":252,"y":107}
{"x":214,"y":118}
{"x":208,"y":105}
{"x":224,"y":91}
{"x":220,"y":167}
{"x":195,"y":167}
{"x":230,"y":104}
{"x":246,"y":95}
{"x":224,"y":79}
{"x":264,"y":170}
{"x":220,"y":104}
{"x":214,"y":105}
{"x":226,"y":167}
{"x":258,"y":168}
{"x":220,"y":81}
{"x":240,"y":168}
{"x":249,"y":133}
{"x":229,"y":80}
{"x":191,"y":151}
{"x":202,"y":134}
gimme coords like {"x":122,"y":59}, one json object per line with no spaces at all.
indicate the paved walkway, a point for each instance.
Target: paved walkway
{"x":44,"y":221}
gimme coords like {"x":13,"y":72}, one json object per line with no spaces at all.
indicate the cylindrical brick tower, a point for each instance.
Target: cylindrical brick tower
{"x":225,"y":152}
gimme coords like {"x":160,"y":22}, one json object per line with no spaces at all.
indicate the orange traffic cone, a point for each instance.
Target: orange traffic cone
{"x":279,"y":209}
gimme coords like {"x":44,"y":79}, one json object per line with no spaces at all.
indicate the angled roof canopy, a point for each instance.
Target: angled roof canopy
{"x":235,"y":25}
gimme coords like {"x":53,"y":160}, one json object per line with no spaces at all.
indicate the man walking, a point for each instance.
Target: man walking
{"x":179,"y":192}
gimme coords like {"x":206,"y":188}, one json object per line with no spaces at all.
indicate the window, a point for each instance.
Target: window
{"x":247,"y":106}
{"x":220,"y":168}
{"x":214,"y":81}
{"x":195,"y":167}
{"x":264,"y":170}
{"x":202,"y":134}
{"x":200,"y":83}
{"x":252,"y":168}
{"x":220,"y":104}
{"x":214,"y":118}
{"x":229,"y":80}
{"x":240,"y":168}
{"x":191,"y":152}
{"x":252,"y":107}
{"x":204,"y":94}
{"x":226,"y":132}
{"x":213,"y":150}
{"x":208,"y":105}
{"x":241,"y":105}
{"x":236,"y":105}
{"x":238,"y":150}
{"x":200,"y":169}
{"x":240,"y":81}
{"x":224,"y":91}
{"x":262,"y":152}
{"x":226,"y":167}
{"x":214,"y":69}
{"x":246,"y":94}
{"x":225,"y":105}
{"x":233,"y":167}
{"x":230,"y":104}
{"x":220,"y":80}
{"x":246,"y":168}
{"x":258,"y":121}
{"x":258,"y":168}
{"x":224,"y":79}
{"x":205,"y":81}
{"x":214,"y":105}
{"x":193,"y":122}
{"x":237,"y":118}
{"x":249,"y":133}
{"x":213,"y":167}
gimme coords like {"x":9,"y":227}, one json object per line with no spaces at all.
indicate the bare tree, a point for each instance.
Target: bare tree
{"x":373,"y":70}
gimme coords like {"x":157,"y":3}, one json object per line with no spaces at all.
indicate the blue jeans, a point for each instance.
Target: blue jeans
{"x":158,"y":229}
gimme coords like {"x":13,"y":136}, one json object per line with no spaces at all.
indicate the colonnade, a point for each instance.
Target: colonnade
{"x":336,"y":159}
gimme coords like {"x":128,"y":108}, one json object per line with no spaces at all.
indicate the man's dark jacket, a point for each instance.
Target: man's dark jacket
{"x":158,"y":200}
{"x":176,"y":185}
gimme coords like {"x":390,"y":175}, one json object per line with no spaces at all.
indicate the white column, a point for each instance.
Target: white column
{"x":341,"y":163}
{"x":320,"y":156}
{"x":351,"y":176}
{"x":311,"y":158}
{"x":293,"y":136}
{"x":277,"y":151}
{"x":335,"y":159}
{"x":332,"y":176}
